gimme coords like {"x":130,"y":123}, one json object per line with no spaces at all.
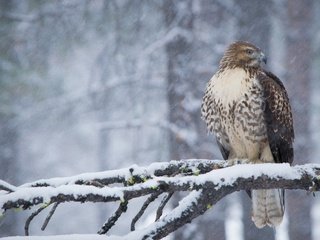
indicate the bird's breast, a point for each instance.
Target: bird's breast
{"x":238,"y":104}
{"x":229,"y":86}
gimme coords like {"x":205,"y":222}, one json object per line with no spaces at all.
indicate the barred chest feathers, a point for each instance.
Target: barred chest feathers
{"x":234,"y":111}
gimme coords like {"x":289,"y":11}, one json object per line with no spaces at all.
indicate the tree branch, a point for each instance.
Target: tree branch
{"x":134,"y":174}
{"x":112,"y":220}
{"x":206,"y":181}
{"x":48,"y":218}
{"x":30,"y":218}
{"x":145,"y":205}
{"x":164,"y":202}
{"x":6,"y":186}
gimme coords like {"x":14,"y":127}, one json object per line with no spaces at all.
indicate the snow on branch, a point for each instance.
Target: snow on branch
{"x":207,"y":181}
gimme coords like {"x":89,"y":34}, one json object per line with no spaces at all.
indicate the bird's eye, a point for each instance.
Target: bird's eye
{"x":249,"y":51}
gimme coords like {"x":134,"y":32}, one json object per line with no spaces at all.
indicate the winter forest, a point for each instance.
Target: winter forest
{"x":96,"y":85}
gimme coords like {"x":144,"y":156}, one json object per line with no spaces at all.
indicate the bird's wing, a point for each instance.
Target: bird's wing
{"x":278,"y":117}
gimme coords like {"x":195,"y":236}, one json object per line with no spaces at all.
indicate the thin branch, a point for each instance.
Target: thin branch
{"x":6,"y":186}
{"x":30,"y":218}
{"x":150,"y":199}
{"x":113,"y":219}
{"x":163,"y":203}
{"x":189,"y":207}
{"x":52,"y":211}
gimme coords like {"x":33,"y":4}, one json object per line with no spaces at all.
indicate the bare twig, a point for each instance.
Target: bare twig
{"x":163,"y":203}
{"x":191,"y":206}
{"x":52,"y":211}
{"x":32,"y":216}
{"x":145,"y":205}
{"x":112,"y":220}
{"x":6,"y":186}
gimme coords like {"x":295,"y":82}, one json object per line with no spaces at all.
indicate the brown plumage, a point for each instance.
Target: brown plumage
{"x":248,"y":111}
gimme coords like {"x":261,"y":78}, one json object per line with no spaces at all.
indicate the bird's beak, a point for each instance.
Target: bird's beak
{"x":263,"y":58}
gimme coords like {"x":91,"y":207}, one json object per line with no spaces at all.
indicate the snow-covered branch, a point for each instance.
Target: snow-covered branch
{"x":207,"y":181}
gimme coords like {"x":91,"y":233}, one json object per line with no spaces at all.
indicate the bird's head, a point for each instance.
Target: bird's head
{"x":243,"y":54}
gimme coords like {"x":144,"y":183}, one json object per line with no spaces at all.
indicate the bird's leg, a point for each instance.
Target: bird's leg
{"x":257,"y":161}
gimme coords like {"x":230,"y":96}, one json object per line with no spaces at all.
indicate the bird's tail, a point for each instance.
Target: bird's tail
{"x":267,"y":207}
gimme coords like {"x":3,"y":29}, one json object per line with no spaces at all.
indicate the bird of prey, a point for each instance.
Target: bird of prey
{"x":247,"y":109}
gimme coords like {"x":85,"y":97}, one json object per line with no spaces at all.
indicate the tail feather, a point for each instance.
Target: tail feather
{"x":267,"y":207}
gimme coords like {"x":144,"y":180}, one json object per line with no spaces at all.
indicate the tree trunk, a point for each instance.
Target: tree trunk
{"x":8,"y":132}
{"x":298,"y":83}
{"x":179,"y":76}
{"x":8,"y":169}
{"x":183,"y":82}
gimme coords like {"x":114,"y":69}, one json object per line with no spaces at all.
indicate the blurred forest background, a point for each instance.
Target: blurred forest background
{"x":92,"y":85}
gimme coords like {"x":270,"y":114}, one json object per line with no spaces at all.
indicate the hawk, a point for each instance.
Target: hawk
{"x":247,"y":109}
